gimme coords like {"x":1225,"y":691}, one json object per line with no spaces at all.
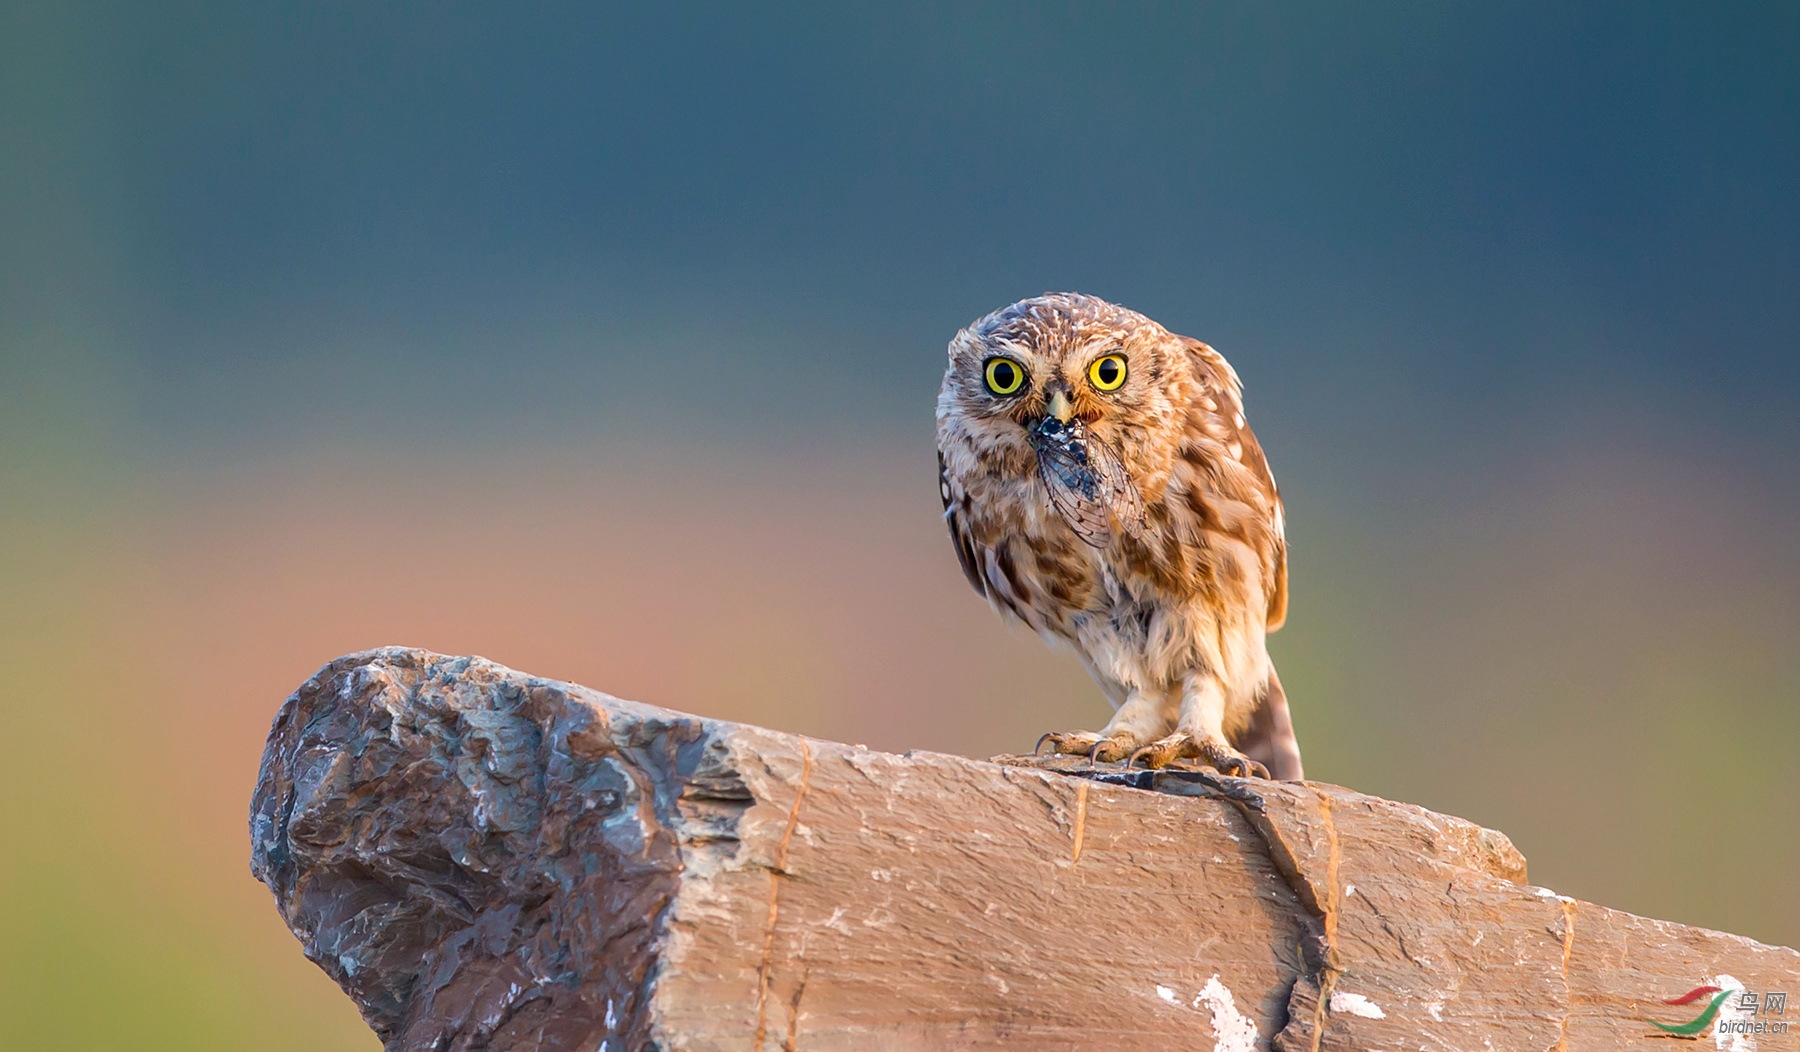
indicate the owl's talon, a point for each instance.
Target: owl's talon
{"x":1164,"y":751}
{"x":1228,"y":761}
{"x":1241,"y":768}
{"x":1086,"y":743}
{"x":1217,"y":755}
{"x":1069,"y":743}
{"x":1110,"y":750}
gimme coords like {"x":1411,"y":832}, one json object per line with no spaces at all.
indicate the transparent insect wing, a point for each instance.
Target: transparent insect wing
{"x":1087,"y":481}
{"x":1117,"y":491}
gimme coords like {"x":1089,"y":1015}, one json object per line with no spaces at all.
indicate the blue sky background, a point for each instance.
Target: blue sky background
{"x":1470,"y":223}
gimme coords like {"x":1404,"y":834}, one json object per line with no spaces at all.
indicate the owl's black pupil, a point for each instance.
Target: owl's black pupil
{"x":1109,"y":371}
{"x":1003,"y":375}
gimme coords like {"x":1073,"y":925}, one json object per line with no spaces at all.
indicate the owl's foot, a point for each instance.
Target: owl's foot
{"x":1215,"y":754}
{"x":1088,"y":744}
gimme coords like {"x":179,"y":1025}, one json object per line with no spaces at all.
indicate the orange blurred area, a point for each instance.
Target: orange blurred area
{"x":806,"y":592}
{"x":162,"y":629}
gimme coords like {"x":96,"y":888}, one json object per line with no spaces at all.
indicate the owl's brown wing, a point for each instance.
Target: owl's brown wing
{"x":959,"y":534}
{"x":1259,"y":466}
{"x":1278,"y":598}
{"x":1225,"y":423}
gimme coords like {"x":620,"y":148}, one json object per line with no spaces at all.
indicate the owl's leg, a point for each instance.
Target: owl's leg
{"x":1143,"y":716}
{"x":1200,"y":733}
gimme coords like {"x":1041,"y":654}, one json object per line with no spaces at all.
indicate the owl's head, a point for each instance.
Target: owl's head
{"x":1064,"y":357}
{"x":1059,"y":377}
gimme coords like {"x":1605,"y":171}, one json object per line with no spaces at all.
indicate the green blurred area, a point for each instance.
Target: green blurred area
{"x":112,"y":936}
{"x":1615,"y":691}
{"x":119,"y":926}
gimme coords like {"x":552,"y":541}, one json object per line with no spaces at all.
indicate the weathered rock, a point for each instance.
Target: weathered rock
{"x":485,"y":860}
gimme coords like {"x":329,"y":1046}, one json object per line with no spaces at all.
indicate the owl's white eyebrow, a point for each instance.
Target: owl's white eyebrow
{"x":1012,"y":347}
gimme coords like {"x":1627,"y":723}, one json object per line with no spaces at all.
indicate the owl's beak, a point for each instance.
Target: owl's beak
{"x":1060,"y":408}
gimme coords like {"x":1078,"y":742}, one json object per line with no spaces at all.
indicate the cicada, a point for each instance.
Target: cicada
{"x":1088,"y":484}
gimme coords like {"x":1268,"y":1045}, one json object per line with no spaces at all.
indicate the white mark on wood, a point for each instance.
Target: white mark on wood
{"x":1436,"y":1008}
{"x":1231,"y":1031}
{"x":612,"y":1020}
{"x":1349,"y":890}
{"x":1165,"y":993}
{"x":1356,"y":1004}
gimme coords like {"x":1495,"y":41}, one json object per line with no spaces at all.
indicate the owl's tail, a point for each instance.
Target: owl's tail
{"x":1269,"y":739}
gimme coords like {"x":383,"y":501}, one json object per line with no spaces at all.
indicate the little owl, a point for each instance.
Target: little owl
{"x":1102,"y":487}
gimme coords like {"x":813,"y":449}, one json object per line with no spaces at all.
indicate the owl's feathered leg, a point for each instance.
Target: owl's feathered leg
{"x":1270,"y":736}
{"x":1200,"y":733}
{"x":1142,"y":718}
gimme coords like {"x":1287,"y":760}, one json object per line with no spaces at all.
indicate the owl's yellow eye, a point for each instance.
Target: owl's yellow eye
{"x":1004,"y":376}
{"x":1108,"y":372}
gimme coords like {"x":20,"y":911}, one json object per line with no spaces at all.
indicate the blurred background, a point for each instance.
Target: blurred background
{"x":602,"y":341}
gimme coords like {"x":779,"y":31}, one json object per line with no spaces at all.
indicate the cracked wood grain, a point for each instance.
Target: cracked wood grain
{"x":1568,"y":949}
{"x":776,"y":873}
{"x":485,"y":860}
{"x":1081,"y":801}
{"x":1328,"y":973}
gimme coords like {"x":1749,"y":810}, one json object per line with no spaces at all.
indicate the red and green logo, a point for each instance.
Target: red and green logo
{"x":1712,"y":995}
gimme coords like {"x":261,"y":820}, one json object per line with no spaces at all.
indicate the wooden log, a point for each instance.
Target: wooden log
{"x":487,"y":860}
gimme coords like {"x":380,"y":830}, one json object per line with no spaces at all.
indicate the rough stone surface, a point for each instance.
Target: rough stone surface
{"x":487,"y":860}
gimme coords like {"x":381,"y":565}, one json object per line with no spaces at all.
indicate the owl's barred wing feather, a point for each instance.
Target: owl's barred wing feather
{"x":1278,"y":597}
{"x":1258,"y":464}
{"x":1225,"y":421}
{"x":959,"y":534}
